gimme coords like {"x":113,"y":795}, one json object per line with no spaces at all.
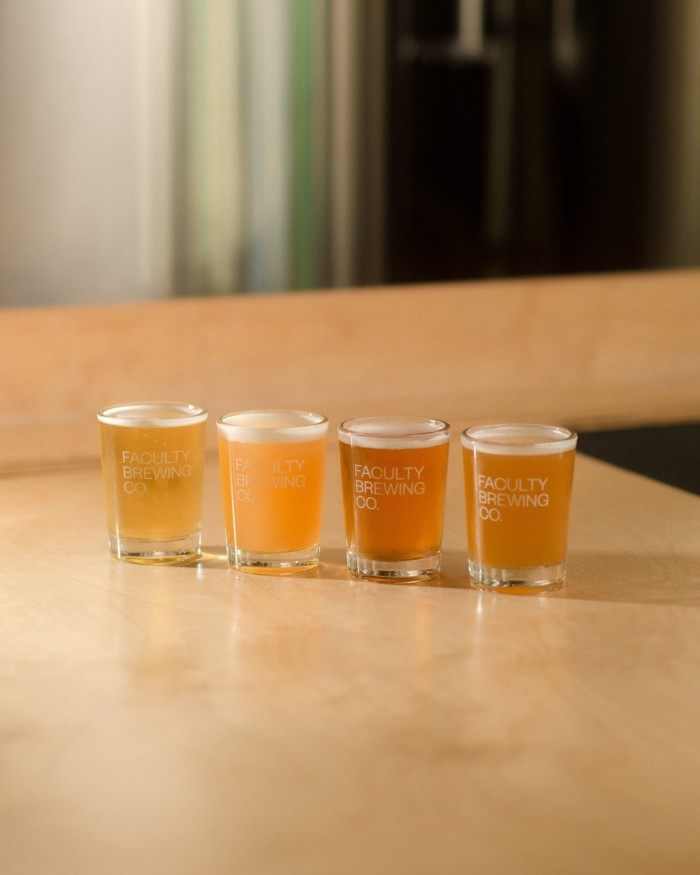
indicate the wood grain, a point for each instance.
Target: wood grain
{"x":197,"y":719}
{"x":598,"y":351}
{"x":194,"y":719}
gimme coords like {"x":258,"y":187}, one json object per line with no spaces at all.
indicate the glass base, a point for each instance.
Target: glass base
{"x":542,"y":578}
{"x":396,"y":570}
{"x":172,"y":551}
{"x":292,"y":562}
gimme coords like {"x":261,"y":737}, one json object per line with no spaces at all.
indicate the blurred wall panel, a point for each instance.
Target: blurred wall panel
{"x":280,"y":166}
{"x":84,"y":180}
{"x":675,"y":211}
{"x":193,"y":147}
{"x":542,"y":136}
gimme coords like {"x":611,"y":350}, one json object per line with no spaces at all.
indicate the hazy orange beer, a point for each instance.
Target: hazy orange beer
{"x":393,"y":472}
{"x":153,"y":469}
{"x":272,"y":465}
{"x":517,"y":481}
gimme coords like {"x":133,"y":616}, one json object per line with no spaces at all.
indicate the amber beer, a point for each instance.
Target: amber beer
{"x":272,"y":465}
{"x":517,"y":481}
{"x":153,"y":468}
{"x":393,"y":472}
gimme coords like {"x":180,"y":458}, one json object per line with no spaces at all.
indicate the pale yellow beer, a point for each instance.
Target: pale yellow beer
{"x":272,"y":465}
{"x":518,"y":481}
{"x":153,"y":469}
{"x":393,"y":473}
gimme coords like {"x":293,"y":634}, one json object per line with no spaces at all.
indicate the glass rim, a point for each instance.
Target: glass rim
{"x":545,"y":439}
{"x":380,"y":431}
{"x":189,"y":414}
{"x":255,"y":429}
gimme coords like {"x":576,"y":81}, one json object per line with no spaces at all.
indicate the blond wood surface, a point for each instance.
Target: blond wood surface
{"x":194,"y":719}
{"x":584,"y":351}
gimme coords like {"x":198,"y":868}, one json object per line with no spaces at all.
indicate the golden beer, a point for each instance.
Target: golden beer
{"x":393,"y":473}
{"x":272,"y":465}
{"x":153,"y":469}
{"x":517,"y":482}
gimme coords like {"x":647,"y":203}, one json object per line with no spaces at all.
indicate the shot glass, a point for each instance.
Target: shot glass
{"x":272,"y":465}
{"x":517,"y":481}
{"x":153,"y":472}
{"x":393,"y":472}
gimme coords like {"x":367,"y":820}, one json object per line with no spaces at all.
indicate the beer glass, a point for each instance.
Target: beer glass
{"x":393,"y":472}
{"x":153,"y":472}
{"x":517,"y":481}
{"x":272,"y":465}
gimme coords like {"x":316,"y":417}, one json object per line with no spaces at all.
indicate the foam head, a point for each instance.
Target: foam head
{"x":272,"y":426}
{"x":393,"y":432}
{"x":152,"y":414}
{"x":519,"y":439}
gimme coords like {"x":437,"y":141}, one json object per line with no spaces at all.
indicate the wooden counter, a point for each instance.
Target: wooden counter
{"x":588,"y":351}
{"x":196,"y":720}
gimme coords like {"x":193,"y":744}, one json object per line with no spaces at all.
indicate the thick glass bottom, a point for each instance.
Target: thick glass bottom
{"x":395,"y":570}
{"x":541,"y":578}
{"x":173,"y":551}
{"x":293,"y":562}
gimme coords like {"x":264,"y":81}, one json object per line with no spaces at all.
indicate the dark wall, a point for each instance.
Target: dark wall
{"x":515,"y":162}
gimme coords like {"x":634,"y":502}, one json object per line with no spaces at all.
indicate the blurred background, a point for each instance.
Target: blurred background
{"x":151,"y":148}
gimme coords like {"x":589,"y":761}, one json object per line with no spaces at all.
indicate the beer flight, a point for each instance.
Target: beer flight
{"x":517,"y":487}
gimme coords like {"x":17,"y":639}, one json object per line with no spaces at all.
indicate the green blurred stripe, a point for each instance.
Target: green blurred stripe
{"x":303,"y":219}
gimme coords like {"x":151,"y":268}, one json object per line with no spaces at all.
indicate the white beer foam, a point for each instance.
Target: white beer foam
{"x":153,"y":414}
{"x":394,"y":433}
{"x":272,"y":426}
{"x":516,"y":439}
